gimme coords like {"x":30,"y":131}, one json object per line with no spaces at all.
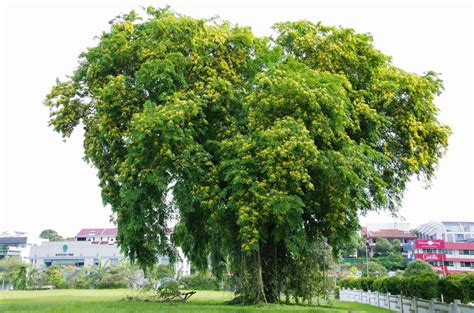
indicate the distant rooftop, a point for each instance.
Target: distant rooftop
{"x":391,"y":233}
{"x":12,"y":234}
{"x":97,"y":232}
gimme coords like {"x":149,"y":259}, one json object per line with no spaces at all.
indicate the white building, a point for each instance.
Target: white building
{"x":447,"y":231}
{"x":14,"y":244}
{"x":91,"y":247}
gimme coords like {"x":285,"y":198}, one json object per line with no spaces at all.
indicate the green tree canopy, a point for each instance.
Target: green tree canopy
{"x":383,"y":247}
{"x":270,"y":147}
{"x":418,"y":267}
{"x":51,"y":235}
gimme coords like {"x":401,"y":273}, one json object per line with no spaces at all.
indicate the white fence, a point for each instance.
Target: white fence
{"x":403,"y":304}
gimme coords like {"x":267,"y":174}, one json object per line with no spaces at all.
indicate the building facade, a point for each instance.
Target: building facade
{"x":447,"y":231}
{"x":14,"y":244}
{"x":447,"y":257}
{"x":92,"y":247}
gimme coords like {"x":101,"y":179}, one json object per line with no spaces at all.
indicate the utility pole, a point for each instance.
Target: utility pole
{"x":367,"y":255}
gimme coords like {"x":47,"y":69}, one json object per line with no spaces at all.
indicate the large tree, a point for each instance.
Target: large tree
{"x":270,"y":147}
{"x":51,"y":235}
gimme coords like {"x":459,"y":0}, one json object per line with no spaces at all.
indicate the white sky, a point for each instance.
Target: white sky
{"x":45,"y":184}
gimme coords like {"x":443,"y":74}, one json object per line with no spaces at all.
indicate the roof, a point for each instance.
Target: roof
{"x":97,"y":232}
{"x":391,"y":233}
{"x":12,"y":240}
{"x":459,"y":245}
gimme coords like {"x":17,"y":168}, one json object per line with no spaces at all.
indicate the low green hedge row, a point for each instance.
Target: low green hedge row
{"x":425,"y":286}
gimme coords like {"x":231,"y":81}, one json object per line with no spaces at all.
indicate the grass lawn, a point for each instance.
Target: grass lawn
{"x":98,"y":301}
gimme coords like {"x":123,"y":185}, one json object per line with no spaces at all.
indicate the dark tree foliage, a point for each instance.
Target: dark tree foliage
{"x":270,"y":147}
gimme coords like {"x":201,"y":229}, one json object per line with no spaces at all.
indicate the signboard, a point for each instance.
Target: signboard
{"x":64,"y":254}
{"x":428,"y":257}
{"x":429,"y":244}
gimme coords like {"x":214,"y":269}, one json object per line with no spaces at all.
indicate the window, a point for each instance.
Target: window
{"x":448,"y":263}
{"x":466,"y":252}
{"x":467,"y":264}
{"x":436,"y":263}
{"x":432,"y":251}
{"x":448,"y":251}
{"x":459,"y":237}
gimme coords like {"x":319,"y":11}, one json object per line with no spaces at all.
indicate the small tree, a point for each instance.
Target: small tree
{"x":382,"y":247}
{"x":160,"y":273}
{"x":8,"y":267}
{"x":55,"y":276}
{"x":418,"y":267}
{"x":396,"y":246}
{"x":392,"y":262}
{"x":375,"y":270}
{"x":20,"y":277}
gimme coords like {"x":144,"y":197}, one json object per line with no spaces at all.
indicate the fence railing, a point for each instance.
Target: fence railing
{"x":403,"y":304}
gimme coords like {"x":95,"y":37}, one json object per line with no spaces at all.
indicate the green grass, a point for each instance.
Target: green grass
{"x":97,"y":301}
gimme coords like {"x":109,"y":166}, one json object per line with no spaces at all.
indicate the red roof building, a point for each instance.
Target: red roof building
{"x":98,"y":235}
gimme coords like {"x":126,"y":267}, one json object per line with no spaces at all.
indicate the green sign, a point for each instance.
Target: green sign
{"x":64,"y":248}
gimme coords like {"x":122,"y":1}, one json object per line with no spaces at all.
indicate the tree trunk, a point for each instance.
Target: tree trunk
{"x":260,"y":287}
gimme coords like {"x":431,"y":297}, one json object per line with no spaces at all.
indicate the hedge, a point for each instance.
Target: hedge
{"x":425,"y":286}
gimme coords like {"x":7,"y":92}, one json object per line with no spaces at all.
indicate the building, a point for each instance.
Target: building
{"x":448,"y":257}
{"x":389,"y":231}
{"x":14,"y":244}
{"x":447,"y":231}
{"x":92,"y":247}
{"x":391,"y":234}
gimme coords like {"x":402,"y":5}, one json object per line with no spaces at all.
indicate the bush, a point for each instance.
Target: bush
{"x":366,"y":283}
{"x":467,"y":285}
{"x":349,"y":283}
{"x":418,"y":267}
{"x":114,"y":278}
{"x":379,"y":284}
{"x":423,"y":286}
{"x":199,"y":282}
{"x":450,"y":288}
{"x":393,"y":285}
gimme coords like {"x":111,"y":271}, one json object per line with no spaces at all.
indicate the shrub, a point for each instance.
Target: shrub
{"x":393,"y":285}
{"x":199,"y":282}
{"x":379,"y":284}
{"x":450,"y":288}
{"x":423,"y":286}
{"x":114,"y":278}
{"x":467,"y":285}
{"x":418,"y":267}
{"x":349,"y":283}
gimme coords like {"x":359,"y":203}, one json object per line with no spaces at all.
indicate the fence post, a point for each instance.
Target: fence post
{"x":400,"y":300}
{"x":378,"y":298}
{"x":388,"y":300}
{"x":431,"y":306}
{"x":414,"y":305}
{"x":456,"y":303}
